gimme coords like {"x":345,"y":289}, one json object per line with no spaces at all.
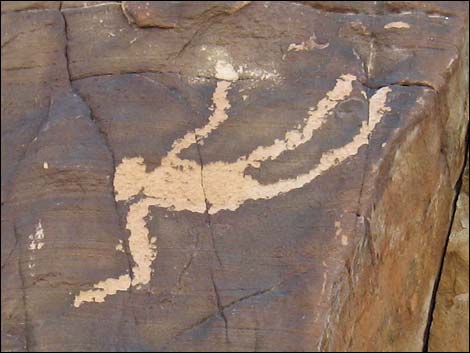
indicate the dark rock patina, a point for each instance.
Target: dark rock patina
{"x":227,"y":176}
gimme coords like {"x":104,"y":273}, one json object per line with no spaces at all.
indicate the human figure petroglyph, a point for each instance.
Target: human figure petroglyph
{"x":184,"y":185}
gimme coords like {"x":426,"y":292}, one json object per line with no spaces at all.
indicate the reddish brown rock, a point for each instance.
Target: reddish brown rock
{"x":85,"y":4}
{"x":173,"y":14}
{"x":269,"y":176}
{"x":449,"y":330}
{"x":9,"y":6}
{"x":432,"y":8}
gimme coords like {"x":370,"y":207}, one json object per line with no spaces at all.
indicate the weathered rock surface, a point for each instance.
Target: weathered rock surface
{"x":449,"y":330}
{"x":264,"y":176}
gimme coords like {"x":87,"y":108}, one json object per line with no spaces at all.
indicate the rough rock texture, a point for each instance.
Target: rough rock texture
{"x":449,"y":330}
{"x":227,"y":176}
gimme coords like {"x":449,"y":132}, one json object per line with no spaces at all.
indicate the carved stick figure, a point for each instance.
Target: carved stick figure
{"x":180,"y":184}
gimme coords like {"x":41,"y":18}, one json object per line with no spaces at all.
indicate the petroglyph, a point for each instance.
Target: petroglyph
{"x":397,"y":25}
{"x":307,"y":45}
{"x":102,"y":289}
{"x":184,"y":185}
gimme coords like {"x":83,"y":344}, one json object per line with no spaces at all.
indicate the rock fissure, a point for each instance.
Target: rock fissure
{"x":220,"y":308}
{"x":104,"y":140}
{"x":401,"y":84}
{"x":10,"y":253}
{"x":432,"y":304}
{"x":66,"y":44}
{"x":28,"y":329}
{"x":198,"y":140}
{"x":106,"y":143}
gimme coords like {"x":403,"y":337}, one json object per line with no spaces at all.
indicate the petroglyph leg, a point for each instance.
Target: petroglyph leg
{"x":142,"y":247}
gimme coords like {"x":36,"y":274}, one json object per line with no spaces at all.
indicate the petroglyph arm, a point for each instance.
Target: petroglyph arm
{"x":316,"y":117}
{"x":221,"y":105}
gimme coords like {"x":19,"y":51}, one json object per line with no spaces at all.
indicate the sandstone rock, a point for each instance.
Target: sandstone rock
{"x":173,"y":14}
{"x":231,"y":176}
{"x":86,"y":4}
{"x":431,"y":8}
{"x":9,"y":6}
{"x":450,"y":329}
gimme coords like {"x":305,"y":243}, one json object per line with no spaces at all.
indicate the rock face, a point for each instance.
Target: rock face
{"x":227,"y":176}
{"x":449,"y":328}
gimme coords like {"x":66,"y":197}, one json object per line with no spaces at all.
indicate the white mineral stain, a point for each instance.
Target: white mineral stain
{"x":356,"y":55}
{"x":323,"y":287}
{"x":258,"y":73}
{"x":225,"y":71}
{"x":37,"y":238}
{"x":338,"y":228}
{"x":398,"y":25}
{"x":371,"y":58}
{"x":436,"y":15}
{"x":307,"y":45}
{"x":452,"y":60}
{"x":339,"y":233}
{"x":177,"y":183}
{"x":37,"y":242}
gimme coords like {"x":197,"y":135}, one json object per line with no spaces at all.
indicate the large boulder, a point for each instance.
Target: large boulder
{"x":227,"y":176}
